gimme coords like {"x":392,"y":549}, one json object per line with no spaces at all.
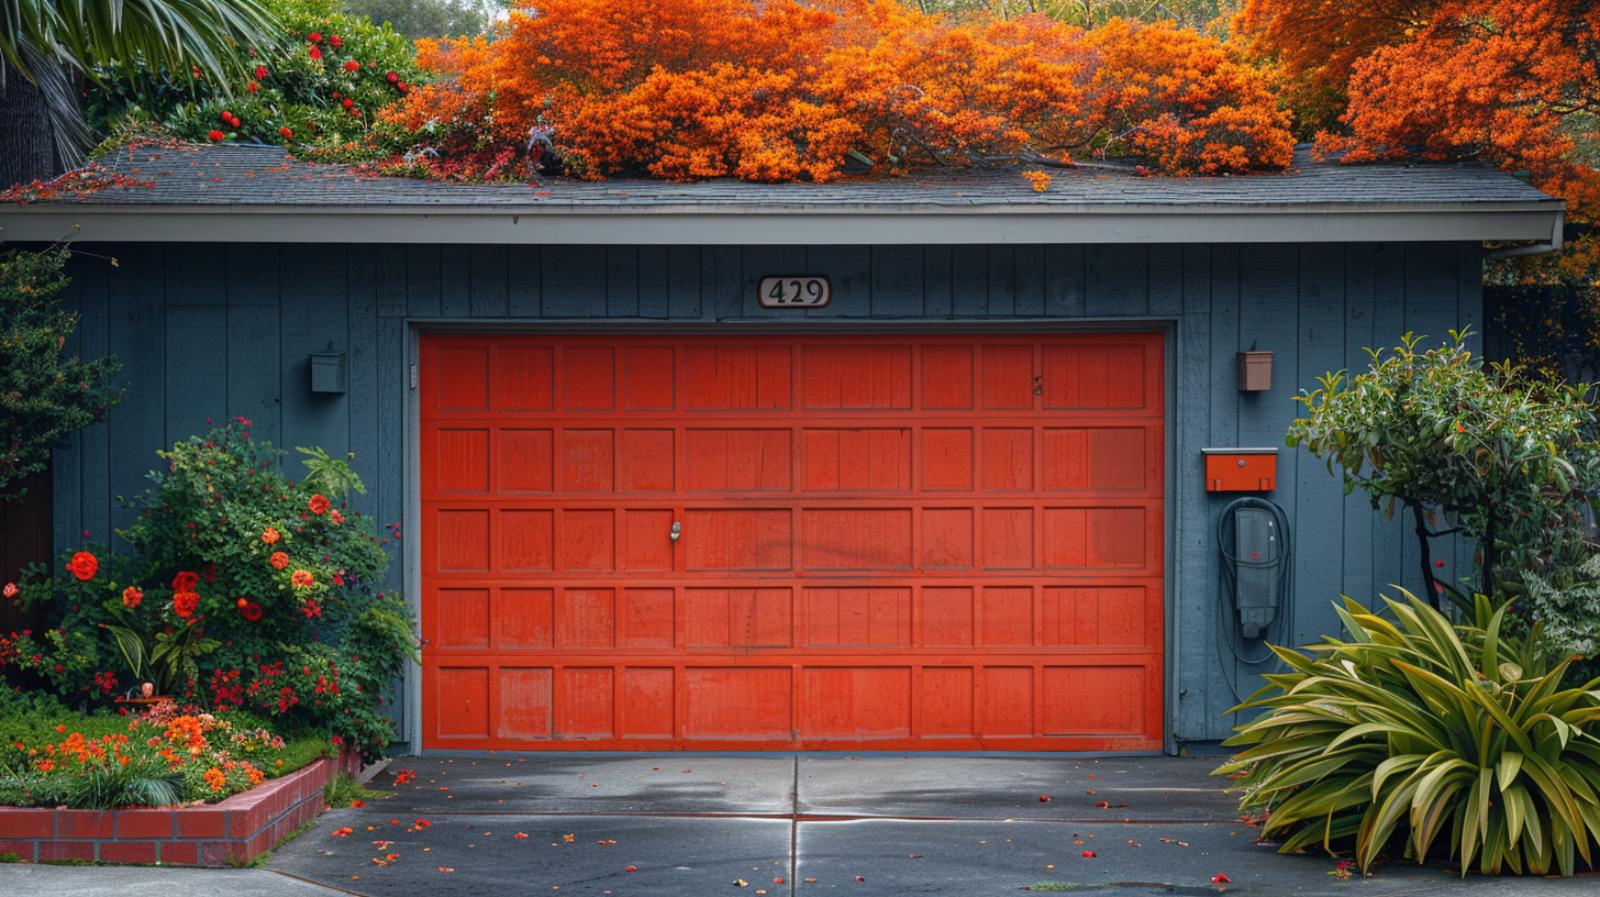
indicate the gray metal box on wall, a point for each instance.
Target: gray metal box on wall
{"x":328,"y":372}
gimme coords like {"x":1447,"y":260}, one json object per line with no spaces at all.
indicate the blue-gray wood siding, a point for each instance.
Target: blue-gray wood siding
{"x":214,"y":331}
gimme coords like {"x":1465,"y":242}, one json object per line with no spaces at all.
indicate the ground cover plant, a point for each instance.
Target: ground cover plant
{"x":52,"y":755}
{"x":1412,"y":736}
{"x":235,"y":588}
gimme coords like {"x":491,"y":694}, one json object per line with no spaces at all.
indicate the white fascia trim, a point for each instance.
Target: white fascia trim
{"x":658,"y":225}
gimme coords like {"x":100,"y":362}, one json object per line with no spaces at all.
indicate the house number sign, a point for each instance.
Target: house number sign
{"x":794,"y":292}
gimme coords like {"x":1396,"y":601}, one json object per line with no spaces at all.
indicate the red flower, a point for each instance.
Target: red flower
{"x":315,"y":37}
{"x":184,"y":604}
{"x":185,"y":581}
{"x":261,"y":73}
{"x":269,"y":535}
{"x":131,"y":596}
{"x":350,"y":65}
{"x":251,"y":611}
{"x":215,"y":136}
{"x":315,"y":53}
{"x":392,"y":76}
{"x":335,"y":41}
{"x":11,"y":590}
{"x":279,"y":560}
{"x":83,"y":566}
{"x":348,"y":102}
{"x":252,"y":87}
{"x":403,"y":87}
{"x":302,"y":579}
{"x":287,"y":134}
{"x":227,"y":117}
{"x":318,"y":505}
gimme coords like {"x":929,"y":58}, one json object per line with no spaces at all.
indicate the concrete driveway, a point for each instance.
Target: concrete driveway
{"x":707,"y":824}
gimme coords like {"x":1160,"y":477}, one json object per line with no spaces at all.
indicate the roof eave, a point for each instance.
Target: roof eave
{"x":779,"y":224}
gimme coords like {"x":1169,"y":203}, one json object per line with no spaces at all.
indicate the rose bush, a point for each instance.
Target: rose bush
{"x":321,"y":86}
{"x":240,"y":588}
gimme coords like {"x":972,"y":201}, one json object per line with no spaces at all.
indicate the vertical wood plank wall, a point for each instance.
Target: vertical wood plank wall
{"x":214,"y":331}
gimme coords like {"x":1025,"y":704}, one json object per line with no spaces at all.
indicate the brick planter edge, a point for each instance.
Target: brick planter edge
{"x":235,"y":830}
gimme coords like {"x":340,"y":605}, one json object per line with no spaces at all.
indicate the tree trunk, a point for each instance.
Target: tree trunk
{"x":27,"y":147}
{"x":1428,"y":581}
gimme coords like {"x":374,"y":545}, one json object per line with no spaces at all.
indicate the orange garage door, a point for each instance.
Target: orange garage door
{"x":899,"y":542}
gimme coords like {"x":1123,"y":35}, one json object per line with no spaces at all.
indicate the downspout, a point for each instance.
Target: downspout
{"x":1541,"y":247}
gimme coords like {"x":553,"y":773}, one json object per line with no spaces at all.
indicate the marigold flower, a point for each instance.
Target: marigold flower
{"x":131,"y":596}
{"x":279,"y":560}
{"x":83,"y":566}
{"x":319,"y":505}
{"x":270,"y":536}
{"x":302,"y":579}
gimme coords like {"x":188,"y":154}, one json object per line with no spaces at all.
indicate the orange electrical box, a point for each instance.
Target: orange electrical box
{"x":1241,"y":469}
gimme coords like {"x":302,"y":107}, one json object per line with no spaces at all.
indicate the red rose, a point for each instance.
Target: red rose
{"x":83,"y":566}
{"x":215,"y":136}
{"x":350,"y":65}
{"x":250,"y":611}
{"x":287,"y":134}
{"x":319,"y":505}
{"x":185,"y":581}
{"x":261,"y":73}
{"x":184,"y":604}
{"x":131,"y":596}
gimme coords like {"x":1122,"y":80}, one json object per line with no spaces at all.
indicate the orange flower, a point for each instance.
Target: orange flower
{"x":302,"y":579}
{"x":270,"y":536}
{"x":279,"y":560}
{"x":215,"y":779}
{"x":131,"y":596}
{"x":319,"y":505}
{"x":1039,"y":180}
{"x":184,"y":604}
{"x":83,"y":566}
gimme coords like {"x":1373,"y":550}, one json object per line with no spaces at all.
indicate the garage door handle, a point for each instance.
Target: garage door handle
{"x":677,"y":531}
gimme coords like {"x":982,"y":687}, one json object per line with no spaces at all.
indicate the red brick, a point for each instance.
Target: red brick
{"x":27,"y":823}
{"x":180,"y":853}
{"x":130,"y":852}
{"x":202,"y":822}
{"x":145,"y":824}
{"x":66,"y":850}
{"x":218,"y":853}
{"x":23,"y":849}
{"x":86,"y":824}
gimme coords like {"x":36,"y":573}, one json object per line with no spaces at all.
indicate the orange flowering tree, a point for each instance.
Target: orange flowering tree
{"x":1514,"y":83}
{"x":789,"y":90}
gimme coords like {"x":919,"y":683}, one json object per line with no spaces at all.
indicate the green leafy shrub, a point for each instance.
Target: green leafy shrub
{"x":321,"y":86}
{"x":1508,"y":459}
{"x":240,"y":589}
{"x":1458,"y":741}
{"x":44,"y":397}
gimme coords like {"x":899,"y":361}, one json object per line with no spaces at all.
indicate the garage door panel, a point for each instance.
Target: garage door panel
{"x":902,"y":542}
{"x":857,"y":617}
{"x":588,"y":378}
{"x":856,"y":538}
{"x":738,"y":460}
{"x":738,"y":539}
